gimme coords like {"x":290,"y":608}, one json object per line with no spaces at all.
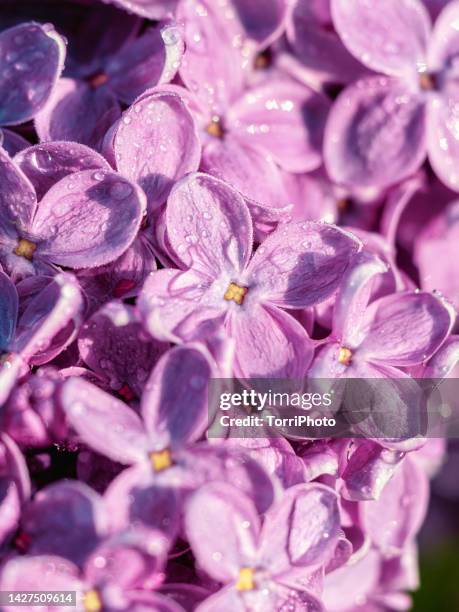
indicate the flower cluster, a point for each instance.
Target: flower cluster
{"x":194,"y":190}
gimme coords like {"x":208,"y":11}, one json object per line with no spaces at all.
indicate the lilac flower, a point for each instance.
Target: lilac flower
{"x":210,"y":232}
{"x":152,"y":9}
{"x":111,"y":579}
{"x":43,"y":330}
{"x":247,"y":133}
{"x":84,"y":111}
{"x":165,"y":464}
{"x":381,"y":128}
{"x":32,"y":59}
{"x":394,"y":331}
{"x":260,"y":565}
{"x":15,"y":486}
{"x":86,"y":219}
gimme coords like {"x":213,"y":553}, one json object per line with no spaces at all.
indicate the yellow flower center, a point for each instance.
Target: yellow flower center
{"x":25,"y":248}
{"x":91,"y":601}
{"x":245,"y":581}
{"x":235,"y":293}
{"x":215,"y":128}
{"x":345,"y":356}
{"x":161,"y":460}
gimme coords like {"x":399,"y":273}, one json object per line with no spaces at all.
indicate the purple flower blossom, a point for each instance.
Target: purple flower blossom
{"x":87,"y":219}
{"x":261,"y":565}
{"x":210,"y":232}
{"x":381,"y":128}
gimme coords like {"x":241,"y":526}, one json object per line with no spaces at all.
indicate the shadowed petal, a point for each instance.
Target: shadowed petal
{"x":67,"y":519}
{"x":112,"y":344}
{"x":156,"y":143}
{"x":77,"y":112}
{"x":8,"y":310}
{"x":88,"y":219}
{"x":55,"y":309}
{"x":262,"y":22}
{"x":175,"y":402}
{"x":375,"y":134}
{"x":12,"y":142}
{"x":19,"y":200}
{"x":32,"y":58}
{"x":152,"y":59}
{"x":301,"y":264}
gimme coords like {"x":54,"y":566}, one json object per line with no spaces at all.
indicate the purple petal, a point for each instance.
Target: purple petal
{"x":301,"y":264}
{"x":134,"y":497}
{"x":103,"y":422}
{"x":175,"y":403}
{"x":152,"y":59}
{"x":369,"y":469}
{"x":18,"y":196}
{"x":131,"y":558}
{"x":302,"y":529}
{"x":444,"y":42}
{"x":405,"y":329}
{"x":318,"y":49}
{"x":12,"y":142}
{"x":56,"y":308}
{"x":213,"y":66}
{"x":65,"y":519}
{"x":353,"y":297}
{"x":38,"y":574}
{"x":435,"y":253}
{"x":168,"y":305}
{"x":8,"y":310}
{"x":375,"y":134}
{"x":88,"y":219}
{"x":394,"y":519}
{"x":112,"y":344}
{"x":32,"y":58}
{"x":209,"y":225}
{"x":284,"y":118}
{"x":156,"y":143}
{"x":77,"y":112}
{"x":223,"y":552}
{"x":445,"y":360}
{"x":152,"y":9}
{"x":224,"y":599}
{"x":262,"y":22}
{"x":392,"y":40}
{"x":48,"y":163}
{"x":269,"y":343}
